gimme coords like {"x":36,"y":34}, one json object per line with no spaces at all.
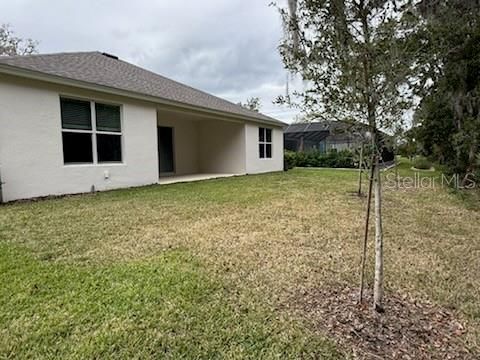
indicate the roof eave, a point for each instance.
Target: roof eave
{"x":40,"y":76}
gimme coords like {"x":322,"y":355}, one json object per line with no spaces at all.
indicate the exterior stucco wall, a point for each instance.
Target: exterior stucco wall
{"x":256,"y":165}
{"x":222,"y":147}
{"x":31,"y":152}
{"x":31,"y":155}
{"x":185,"y":141}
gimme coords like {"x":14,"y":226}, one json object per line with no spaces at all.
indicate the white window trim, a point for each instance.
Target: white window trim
{"x":93,"y":120}
{"x":264,"y":143}
{"x":93,"y":133}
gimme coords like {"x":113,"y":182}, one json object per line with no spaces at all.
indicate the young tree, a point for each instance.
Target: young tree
{"x":398,"y":133}
{"x":352,"y":56}
{"x":13,"y":45}
{"x":360,"y":169}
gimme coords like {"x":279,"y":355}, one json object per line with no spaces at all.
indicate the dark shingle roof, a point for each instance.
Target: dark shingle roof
{"x":313,"y":126}
{"x":104,"y":70}
{"x":333,"y":126}
{"x":319,"y":130}
{"x":308,"y":127}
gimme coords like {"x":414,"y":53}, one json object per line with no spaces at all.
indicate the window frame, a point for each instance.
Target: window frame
{"x":94,"y":132}
{"x":264,"y":143}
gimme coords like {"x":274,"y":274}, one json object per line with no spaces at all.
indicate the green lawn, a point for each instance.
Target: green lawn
{"x":204,"y":270}
{"x":162,"y":307}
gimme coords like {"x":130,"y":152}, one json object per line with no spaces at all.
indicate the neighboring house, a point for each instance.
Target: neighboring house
{"x":77,"y":122}
{"x":322,"y":136}
{"x":325,"y":136}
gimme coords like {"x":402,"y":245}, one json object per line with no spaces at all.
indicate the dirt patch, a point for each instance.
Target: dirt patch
{"x":406,"y":330}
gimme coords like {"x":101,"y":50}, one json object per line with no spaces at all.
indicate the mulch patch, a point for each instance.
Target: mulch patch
{"x":406,"y":330}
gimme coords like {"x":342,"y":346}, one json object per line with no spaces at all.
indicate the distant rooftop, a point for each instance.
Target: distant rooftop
{"x":328,"y":126}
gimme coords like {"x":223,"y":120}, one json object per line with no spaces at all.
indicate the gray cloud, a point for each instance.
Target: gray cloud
{"x":227,"y":48}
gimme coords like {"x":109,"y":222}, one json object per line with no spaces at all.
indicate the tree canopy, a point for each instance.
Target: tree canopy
{"x":252,"y":103}
{"x":10,"y":44}
{"x":352,"y":56}
{"x":448,"y":119}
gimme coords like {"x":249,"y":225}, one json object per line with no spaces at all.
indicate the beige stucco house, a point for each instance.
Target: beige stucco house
{"x":77,"y":122}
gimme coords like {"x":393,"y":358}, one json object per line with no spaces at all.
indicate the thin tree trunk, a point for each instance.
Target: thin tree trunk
{"x":471,"y":163}
{"x":292,"y":6}
{"x":360,"y":172}
{"x":367,"y":225}
{"x":395,"y":163}
{"x":378,"y":283}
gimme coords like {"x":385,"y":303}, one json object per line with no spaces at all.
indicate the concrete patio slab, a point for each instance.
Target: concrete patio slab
{"x":190,"y":178}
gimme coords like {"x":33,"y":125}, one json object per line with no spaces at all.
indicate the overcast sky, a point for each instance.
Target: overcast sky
{"x":225,"y":47}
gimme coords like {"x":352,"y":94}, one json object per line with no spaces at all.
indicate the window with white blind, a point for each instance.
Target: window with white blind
{"x":91,"y":132}
{"x":265,"y":143}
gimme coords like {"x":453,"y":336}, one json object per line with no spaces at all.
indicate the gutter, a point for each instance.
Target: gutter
{"x":55,"y":79}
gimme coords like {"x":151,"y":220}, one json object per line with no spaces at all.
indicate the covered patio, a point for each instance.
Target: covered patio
{"x":193,"y":147}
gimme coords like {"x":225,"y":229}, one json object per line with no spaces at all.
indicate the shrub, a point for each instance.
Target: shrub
{"x":300,"y":159}
{"x":422,"y":163}
{"x":290,"y":159}
{"x":314,"y":158}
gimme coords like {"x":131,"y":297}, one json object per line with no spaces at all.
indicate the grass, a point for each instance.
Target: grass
{"x":164,"y":307}
{"x":201,"y":270}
